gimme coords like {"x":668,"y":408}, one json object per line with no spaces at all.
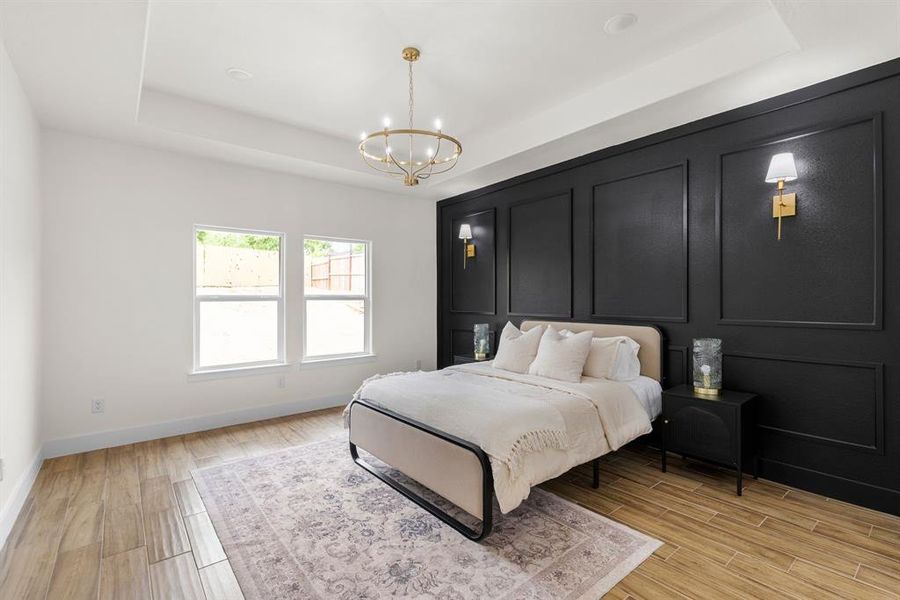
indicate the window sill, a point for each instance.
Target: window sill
{"x":238,"y":371}
{"x":334,"y":361}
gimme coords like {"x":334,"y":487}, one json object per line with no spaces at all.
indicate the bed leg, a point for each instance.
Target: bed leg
{"x":596,"y":465}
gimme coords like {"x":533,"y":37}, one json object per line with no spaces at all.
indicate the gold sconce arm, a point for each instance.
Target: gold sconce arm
{"x":783,"y":205}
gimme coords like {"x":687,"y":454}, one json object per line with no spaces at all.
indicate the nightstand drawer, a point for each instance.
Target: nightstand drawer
{"x":701,"y":431}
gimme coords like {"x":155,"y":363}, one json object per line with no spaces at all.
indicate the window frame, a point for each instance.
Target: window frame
{"x":366,"y":297}
{"x":279,"y":299}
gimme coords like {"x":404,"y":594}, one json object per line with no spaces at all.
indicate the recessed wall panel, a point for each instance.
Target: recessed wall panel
{"x":833,"y":402}
{"x":473,"y":280}
{"x":639,"y":226}
{"x":826,"y":269}
{"x":540,"y":257}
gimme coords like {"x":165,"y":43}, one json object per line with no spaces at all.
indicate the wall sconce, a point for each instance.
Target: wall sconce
{"x":465,"y":234}
{"x":782,"y":169}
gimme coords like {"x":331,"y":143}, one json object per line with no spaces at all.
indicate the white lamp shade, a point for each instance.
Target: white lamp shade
{"x":465,"y":232}
{"x":782,"y":167}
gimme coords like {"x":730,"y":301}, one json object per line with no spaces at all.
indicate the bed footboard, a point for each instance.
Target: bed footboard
{"x":449,"y":466}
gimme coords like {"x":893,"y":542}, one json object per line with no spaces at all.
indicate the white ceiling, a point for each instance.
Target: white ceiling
{"x":522,"y":84}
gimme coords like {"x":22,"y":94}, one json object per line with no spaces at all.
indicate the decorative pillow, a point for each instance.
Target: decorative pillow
{"x":517,"y":349}
{"x":613,"y":358}
{"x":561,"y":357}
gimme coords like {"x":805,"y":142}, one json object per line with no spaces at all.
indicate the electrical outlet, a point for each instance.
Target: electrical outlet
{"x":281,"y":382}
{"x":98,"y":405}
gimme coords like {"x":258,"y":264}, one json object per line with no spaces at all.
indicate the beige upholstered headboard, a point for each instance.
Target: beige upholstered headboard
{"x":647,"y":336}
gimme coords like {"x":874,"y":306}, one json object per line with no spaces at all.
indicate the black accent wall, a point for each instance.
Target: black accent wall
{"x":676,"y":230}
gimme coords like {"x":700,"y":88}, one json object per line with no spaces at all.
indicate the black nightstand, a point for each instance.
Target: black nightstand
{"x":459,"y":359}
{"x":719,"y":429}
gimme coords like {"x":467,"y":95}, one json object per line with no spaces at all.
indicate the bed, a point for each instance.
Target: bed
{"x":445,"y":429}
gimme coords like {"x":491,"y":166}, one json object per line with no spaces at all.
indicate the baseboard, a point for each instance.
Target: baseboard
{"x":142,"y":433}
{"x":840,"y":488}
{"x":10,"y":512}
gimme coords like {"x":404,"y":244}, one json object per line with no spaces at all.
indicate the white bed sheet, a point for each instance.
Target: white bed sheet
{"x":649,"y":394}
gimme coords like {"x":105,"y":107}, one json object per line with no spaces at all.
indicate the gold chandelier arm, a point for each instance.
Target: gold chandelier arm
{"x":398,"y":164}
{"x":431,"y":162}
{"x":378,"y":168}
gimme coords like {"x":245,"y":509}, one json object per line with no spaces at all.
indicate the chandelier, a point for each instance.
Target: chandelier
{"x":413,"y":154}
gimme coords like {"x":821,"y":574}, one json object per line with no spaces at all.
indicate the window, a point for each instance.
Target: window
{"x":238,"y":298}
{"x":337,"y":304}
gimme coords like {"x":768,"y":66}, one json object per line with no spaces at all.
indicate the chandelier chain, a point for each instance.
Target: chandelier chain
{"x":410,"y":96}
{"x":410,"y":117}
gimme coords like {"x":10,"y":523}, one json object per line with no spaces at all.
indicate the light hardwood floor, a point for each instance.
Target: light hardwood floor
{"x":128,"y":523}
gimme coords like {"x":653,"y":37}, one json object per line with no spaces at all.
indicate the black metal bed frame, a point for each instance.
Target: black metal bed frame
{"x":487,"y":481}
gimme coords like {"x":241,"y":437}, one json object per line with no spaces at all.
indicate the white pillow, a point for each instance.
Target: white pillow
{"x":628,"y":365}
{"x":613,"y":358}
{"x":517,"y":349}
{"x":561,"y":357}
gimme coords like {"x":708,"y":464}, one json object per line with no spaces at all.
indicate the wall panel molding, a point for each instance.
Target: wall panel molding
{"x":542,"y":288}
{"x":490,"y":216}
{"x":676,"y":276}
{"x":874,"y":233}
{"x":678,"y":376}
{"x":877,"y":393}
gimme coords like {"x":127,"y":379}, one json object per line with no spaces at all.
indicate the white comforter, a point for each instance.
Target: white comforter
{"x":532,"y":428}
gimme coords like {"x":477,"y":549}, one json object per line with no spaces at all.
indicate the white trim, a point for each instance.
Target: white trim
{"x":366,"y":297}
{"x":280,"y":299}
{"x":17,"y":497}
{"x":242,"y":370}
{"x":337,"y":360}
{"x":142,"y":433}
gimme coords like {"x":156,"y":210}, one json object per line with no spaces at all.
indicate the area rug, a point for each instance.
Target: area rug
{"x":307,"y":522}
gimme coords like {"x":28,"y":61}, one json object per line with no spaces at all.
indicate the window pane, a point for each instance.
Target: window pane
{"x":238,"y":332}
{"x":334,"y":267}
{"x":237,"y":263}
{"x":335,"y":327}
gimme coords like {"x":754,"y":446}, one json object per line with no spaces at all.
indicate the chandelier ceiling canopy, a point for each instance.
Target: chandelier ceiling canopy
{"x":411,"y":154}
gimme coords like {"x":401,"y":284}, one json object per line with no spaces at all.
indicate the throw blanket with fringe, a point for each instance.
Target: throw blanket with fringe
{"x":513,"y":421}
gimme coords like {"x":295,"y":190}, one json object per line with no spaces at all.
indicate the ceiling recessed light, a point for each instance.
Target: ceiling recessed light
{"x":619,"y":23}
{"x":239,"y":74}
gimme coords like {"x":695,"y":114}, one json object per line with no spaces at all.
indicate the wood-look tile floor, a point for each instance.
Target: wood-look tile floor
{"x":127,"y":522}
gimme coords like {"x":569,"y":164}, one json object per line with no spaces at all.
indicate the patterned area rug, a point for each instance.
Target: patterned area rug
{"x":306,"y":522}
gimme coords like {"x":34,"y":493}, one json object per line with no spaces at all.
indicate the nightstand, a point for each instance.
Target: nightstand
{"x":459,"y":359}
{"x":719,"y":429}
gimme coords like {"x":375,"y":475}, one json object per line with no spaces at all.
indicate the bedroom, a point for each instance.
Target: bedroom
{"x":202,"y":268}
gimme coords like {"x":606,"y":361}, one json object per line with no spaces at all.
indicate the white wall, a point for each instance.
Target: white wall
{"x":117,"y":279}
{"x":20,"y":296}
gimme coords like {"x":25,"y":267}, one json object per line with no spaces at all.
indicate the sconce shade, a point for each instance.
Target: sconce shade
{"x":465,"y":232}
{"x":782,"y":167}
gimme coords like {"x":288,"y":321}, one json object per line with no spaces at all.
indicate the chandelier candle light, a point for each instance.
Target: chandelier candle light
{"x":413,"y":154}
